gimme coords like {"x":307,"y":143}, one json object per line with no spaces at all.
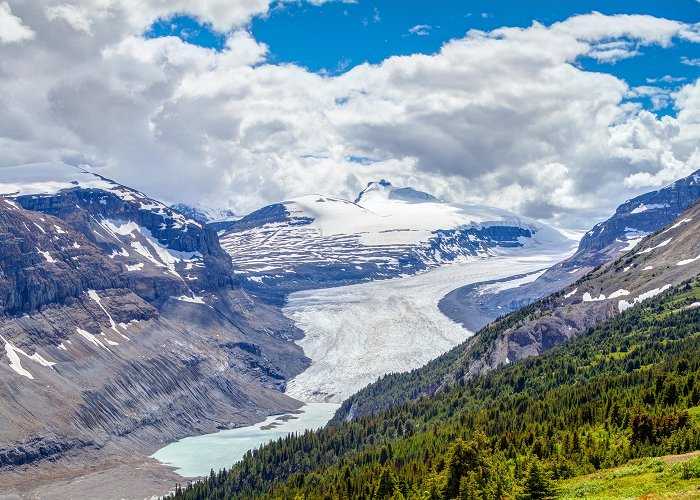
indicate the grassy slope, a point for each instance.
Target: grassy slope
{"x":664,"y":477}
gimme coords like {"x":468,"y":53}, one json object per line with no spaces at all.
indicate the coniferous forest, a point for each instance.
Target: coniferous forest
{"x":626,"y":389}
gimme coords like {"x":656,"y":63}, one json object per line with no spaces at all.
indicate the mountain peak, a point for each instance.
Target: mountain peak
{"x":383,"y":189}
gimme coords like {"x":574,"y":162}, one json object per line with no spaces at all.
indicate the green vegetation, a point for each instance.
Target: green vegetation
{"x":626,"y":389}
{"x":650,"y":476}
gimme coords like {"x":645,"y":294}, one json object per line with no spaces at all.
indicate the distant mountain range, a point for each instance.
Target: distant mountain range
{"x":319,"y":241}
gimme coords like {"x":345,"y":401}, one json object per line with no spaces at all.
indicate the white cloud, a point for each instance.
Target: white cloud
{"x":667,"y":79}
{"x":610,"y":52}
{"x":503,"y":117}
{"x":12,"y":29}
{"x":421,"y":30}
{"x":75,"y":15}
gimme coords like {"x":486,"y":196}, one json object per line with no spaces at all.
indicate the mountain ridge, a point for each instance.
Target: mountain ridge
{"x":318,"y":241}
{"x":607,"y":240}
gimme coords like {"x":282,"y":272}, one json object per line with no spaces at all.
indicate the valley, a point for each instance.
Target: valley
{"x":355,"y":334}
{"x":349,"y":250}
{"x":207,"y":351}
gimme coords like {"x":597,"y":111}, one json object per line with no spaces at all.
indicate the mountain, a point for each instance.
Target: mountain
{"x":219,"y":218}
{"x":612,"y":413}
{"x":124,"y":328}
{"x":320,"y":241}
{"x":475,"y":306}
{"x":659,"y":262}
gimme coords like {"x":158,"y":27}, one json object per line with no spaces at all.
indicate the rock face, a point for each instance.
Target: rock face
{"x":608,"y":240}
{"x":319,"y":241}
{"x":161,"y":252}
{"x":122,"y":325}
{"x":642,"y":215}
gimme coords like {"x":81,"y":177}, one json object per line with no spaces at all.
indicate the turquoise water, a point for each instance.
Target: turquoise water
{"x":195,"y":456}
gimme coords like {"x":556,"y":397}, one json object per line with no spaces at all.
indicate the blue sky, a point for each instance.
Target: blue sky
{"x":336,"y":36}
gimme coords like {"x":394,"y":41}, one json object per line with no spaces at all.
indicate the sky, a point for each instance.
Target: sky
{"x":554,"y":110}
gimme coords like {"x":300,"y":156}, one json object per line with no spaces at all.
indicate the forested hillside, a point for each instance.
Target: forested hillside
{"x":626,"y":388}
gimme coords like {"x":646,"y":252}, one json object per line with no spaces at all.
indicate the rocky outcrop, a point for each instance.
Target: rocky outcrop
{"x":42,"y":263}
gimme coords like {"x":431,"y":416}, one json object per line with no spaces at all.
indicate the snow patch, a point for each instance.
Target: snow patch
{"x":619,"y":293}
{"x":571,"y":293}
{"x":194,"y":299}
{"x":95,"y":297}
{"x":47,"y":256}
{"x":677,"y":225}
{"x":135,"y":267}
{"x":660,"y":245}
{"x":587,"y":297}
{"x":688,"y":261}
{"x":15,"y":361}
{"x":122,"y":253}
{"x":643,"y":208}
{"x":623,"y":305}
{"x":91,"y":338}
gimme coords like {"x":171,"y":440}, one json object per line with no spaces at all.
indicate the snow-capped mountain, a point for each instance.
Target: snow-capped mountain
{"x":205,"y":214}
{"x":122,"y":325}
{"x":316,"y":240}
{"x":642,"y":215}
{"x":165,"y":253}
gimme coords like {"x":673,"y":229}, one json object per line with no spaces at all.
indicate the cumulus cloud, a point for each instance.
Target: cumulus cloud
{"x":12,"y":29}
{"x":75,"y":15}
{"x":503,"y":117}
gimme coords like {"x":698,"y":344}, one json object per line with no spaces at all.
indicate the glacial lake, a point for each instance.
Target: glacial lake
{"x":195,"y":456}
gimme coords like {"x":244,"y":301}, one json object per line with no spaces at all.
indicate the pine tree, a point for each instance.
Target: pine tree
{"x":386,"y":486}
{"x":537,"y":486}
